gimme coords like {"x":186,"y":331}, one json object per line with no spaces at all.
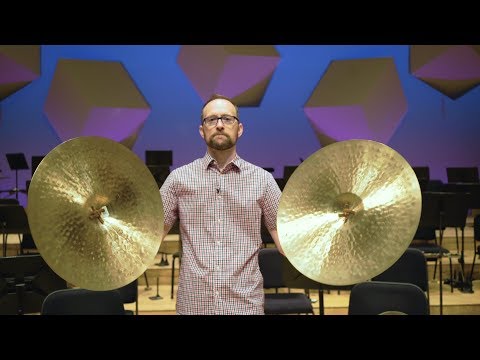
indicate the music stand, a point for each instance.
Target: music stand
{"x":471,"y":189}
{"x":25,"y":281}
{"x":280,"y":183}
{"x":13,"y":220}
{"x":441,"y":210}
{"x":462,"y":175}
{"x":158,"y":157}
{"x":288,"y":171}
{"x":456,"y":217}
{"x":423,"y":176}
{"x":36,"y":160}
{"x":422,"y":172}
{"x":17,"y":162}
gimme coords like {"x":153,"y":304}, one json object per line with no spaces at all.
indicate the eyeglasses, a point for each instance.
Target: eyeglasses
{"x":212,"y":121}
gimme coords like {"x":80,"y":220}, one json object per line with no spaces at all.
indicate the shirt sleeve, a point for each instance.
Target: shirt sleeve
{"x":169,"y":200}
{"x":271,"y":201}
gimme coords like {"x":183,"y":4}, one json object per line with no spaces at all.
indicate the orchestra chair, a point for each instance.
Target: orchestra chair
{"x":271,"y":266}
{"x":78,"y":301}
{"x":129,"y":295}
{"x":411,"y":268}
{"x":380,"y":297}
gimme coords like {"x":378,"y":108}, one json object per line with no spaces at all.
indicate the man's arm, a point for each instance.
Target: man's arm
{"x":170,"y":203}
{"x":274,"y":235}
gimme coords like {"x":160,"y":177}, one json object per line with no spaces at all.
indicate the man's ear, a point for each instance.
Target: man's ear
{"x":200,"y":130}
{"x":240,"y":129}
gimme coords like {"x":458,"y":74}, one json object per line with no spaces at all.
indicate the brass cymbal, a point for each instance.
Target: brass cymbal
{"x":348,"y":212}
{"x":95,"y":213}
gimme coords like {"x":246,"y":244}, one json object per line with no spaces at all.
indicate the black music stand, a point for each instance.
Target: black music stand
{"x":423,"y":176}
{"x":17,"y":162}
{"x":159,"y":157}
{"x":13,"y":220}
{"x":25,"y":281}
{"x":288,"y":171}
{"x":36,"y":160}
{"x":441,"y":210}
{"x":462,"y":175}
{"x":472,"y":190}
{"x":456,"y":216}
{"x":159,"y":162}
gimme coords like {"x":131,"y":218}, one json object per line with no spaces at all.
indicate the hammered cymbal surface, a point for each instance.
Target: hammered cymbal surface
{"x":95,"y":213}
{"x":348,"y":212}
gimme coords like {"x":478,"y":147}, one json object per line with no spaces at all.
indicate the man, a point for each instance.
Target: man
{"x":220,"y":201}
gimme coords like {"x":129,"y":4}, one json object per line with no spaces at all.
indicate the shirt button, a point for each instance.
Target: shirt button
{"x":217,"y":267}
{"x":219,"y":220}
{"x":217,"y":242}
{"x":216,"y":293}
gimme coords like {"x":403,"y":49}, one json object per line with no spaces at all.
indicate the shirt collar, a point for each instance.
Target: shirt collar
{"x":208,"y":159}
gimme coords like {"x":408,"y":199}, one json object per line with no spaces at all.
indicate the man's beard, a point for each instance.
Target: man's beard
{"x":225,"y":145}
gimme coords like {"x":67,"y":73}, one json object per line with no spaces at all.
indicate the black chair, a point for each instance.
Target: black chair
{"x":28,"y":245}
{"x":410,"y":268}
{"x":476,"y":237}
{"x":26,"y":241}
{"x":425,"y":240}
{"x":13,"y":220}
{"x":380,"y":297}
{"x":7,"y":202}
{"x":83,"y":302}
{"x":271,"y":266}
{"x":294,"y":279}
{"x":265,"y":235}
{"x":175,"y":256}
{"x":129,"y":295}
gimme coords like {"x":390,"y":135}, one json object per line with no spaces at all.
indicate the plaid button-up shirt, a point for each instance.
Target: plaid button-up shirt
{"x":220,"y":222}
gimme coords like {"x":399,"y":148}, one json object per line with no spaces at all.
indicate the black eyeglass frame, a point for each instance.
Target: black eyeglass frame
{"x":223,"y":117}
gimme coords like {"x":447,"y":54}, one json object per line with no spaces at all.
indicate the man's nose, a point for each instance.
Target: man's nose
{"x":220,"y":124}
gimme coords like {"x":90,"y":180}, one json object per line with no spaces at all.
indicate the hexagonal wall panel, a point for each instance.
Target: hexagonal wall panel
{"x":357,"y":99}
{"x":95,"y":98}
{"x":451,"y":69}
{"x":19,"y":66}
{"x":241,"y":72}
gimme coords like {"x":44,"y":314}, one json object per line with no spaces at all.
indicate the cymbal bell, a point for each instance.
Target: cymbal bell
{"x":95,"y":213}
{"x":348,"y":212}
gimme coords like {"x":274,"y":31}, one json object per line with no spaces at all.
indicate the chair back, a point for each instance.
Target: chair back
{"x":83,"y":302}
{"x":129,"y":295}
{"x":476,"y":227}
{"x":411,"y":268}
{"x":378,"y":297}
{"x":271,"y":266}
